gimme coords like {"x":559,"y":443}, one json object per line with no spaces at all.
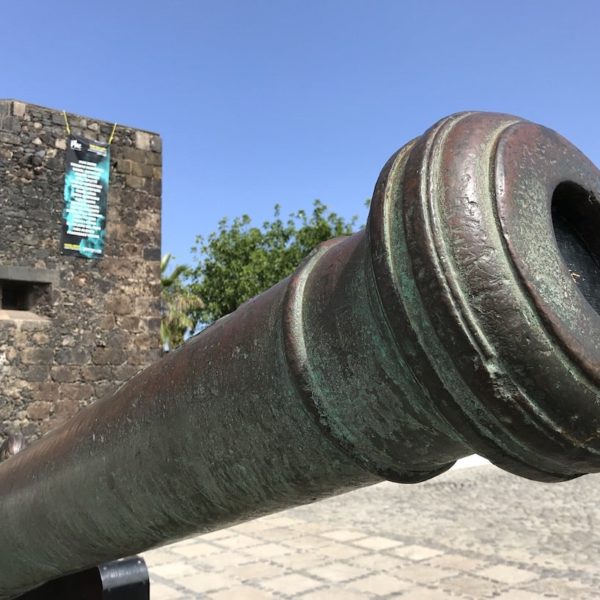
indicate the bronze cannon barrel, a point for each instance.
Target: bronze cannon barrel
{"x":463,"y":318}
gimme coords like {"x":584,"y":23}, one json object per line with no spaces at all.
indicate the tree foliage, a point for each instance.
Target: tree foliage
{"x":178,"y":304}
{"x":240,"y":260}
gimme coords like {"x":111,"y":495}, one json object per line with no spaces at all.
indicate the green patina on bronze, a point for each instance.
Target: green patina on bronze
{"x":454,"y":323}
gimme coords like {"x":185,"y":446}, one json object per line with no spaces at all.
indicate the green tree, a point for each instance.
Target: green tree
{"x":240,"y":260}
{"x":178,"y":304}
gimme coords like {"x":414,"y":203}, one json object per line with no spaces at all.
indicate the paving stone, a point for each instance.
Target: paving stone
{"x":206,"y":582}
{"x":562,"y":588}
{"x":338,"y":572}
{"x":343,"y":535}
{"x":380,"y":562}
{"x":240,"y":592}
{"x":520,"y":595}
{"x":307,"y":542}
{"x":380,"y":584}
{"x":267,"y":550}
{"x":474,"y":587}
{"x":425,"y":574}
{"x":422,"y":593}
{"x":315,"y":527}
{"x":174,"y":570}
{"x":539,"y":559}
{"x":291,"y":584}
{"x":377,"y":543}
{"x":301,"y":561}
{"x":507,"y":574}
{"x":336,"y":551}
{"x":159,"y":557}
{"x":416,"y":552}
{"x":237,"y":541}
{"x":258,"y":570}
{"x":333,"y":594}
{"x":223,"y":560}
{"x":456,"y":562}
{"x":159,"y":591}
{"x":278,"y":534}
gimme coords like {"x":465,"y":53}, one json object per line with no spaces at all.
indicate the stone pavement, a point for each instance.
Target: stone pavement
{"x":472,"y":533}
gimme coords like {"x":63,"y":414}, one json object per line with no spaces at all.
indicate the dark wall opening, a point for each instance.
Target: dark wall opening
{"x":24,"y":295}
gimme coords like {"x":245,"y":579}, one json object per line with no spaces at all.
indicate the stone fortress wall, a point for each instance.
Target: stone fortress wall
{"x":73,"y":329}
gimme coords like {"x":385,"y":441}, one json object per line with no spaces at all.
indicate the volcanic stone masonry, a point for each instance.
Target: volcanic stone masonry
{"x":73,"y":329}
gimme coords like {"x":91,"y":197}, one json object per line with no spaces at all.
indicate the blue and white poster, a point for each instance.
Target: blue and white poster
{"x":86,"y":193}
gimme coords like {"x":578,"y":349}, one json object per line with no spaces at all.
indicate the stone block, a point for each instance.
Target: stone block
{"x":37,"y":356}
{"x":118,"y":305}
{"x":144,"y":357}
{"x":153,"y":324}
{"x":156,"y":144}
{"x":153,"y":186}
{"x":105,"y":389}
{"x":49,"y":390}
{"x":62,"y":374}
{"x":80,"y":392}
{"x":10,"y":124}
{"x":142,"y":140}
{"x":39,"y":410}
{"x":19,"y":109}
{"x":108,"y":356}
{"x":37,"y":325}
{"x":135,"y":155}
{"x":40,"y":338}
{"x":72,"y":356}
{"x":133,"y":251}
{"x":66,"y":407}
{"x":35,"y":373}
{"x":146,"y":341}
{"x":137,"y":183}
{"x":129,"y":323}
{"x":152,"y":253}
{"x":93,"y":373}
{"x":142,"y":170}
{"x":155,"y":159}
{"x":117,"y":338}
{"x":124,"y":166}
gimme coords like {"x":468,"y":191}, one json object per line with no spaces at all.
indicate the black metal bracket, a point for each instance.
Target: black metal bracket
{"x":125,"y":579}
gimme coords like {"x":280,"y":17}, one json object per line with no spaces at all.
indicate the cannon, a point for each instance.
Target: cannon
{"x":463,"y":319}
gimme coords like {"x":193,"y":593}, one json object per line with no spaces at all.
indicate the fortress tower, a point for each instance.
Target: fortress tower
{"x":79,"y":261}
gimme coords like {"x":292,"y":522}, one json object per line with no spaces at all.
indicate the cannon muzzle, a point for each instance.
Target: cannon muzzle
{"x":463,"y":319}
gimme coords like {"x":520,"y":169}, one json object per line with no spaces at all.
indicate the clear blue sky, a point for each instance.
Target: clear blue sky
{"x":284,"y":101}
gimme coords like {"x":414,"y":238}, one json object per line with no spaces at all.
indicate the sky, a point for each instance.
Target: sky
{"x":264,"y":102}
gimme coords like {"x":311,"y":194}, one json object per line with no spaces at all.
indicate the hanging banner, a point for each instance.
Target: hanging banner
{"x":86,"y":192}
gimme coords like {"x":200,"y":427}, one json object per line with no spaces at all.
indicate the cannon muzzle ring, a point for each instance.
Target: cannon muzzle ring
{"x":486,"y":253}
